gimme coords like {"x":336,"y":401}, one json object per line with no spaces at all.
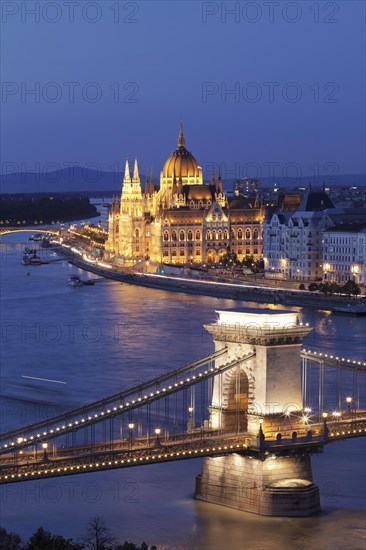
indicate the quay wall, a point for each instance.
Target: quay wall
{"x":263,"y":295}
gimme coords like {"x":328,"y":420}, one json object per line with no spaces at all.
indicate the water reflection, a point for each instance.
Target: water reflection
{"x":110,"y":336}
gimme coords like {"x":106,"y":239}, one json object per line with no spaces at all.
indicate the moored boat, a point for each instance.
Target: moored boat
{"x":30,"y":258}
{"x":74,"y":281}
{"x":36,"y":237}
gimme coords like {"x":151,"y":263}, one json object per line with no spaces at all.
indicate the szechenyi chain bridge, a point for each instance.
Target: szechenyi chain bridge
{"x":256,"y":409}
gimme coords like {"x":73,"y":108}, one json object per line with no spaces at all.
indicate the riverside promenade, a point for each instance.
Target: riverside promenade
{"x":217,"y":287}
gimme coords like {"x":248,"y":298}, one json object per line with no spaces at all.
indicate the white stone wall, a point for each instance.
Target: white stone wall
{"x":277,"y":378}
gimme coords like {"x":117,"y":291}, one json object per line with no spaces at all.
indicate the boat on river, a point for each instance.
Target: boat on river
{"x":36,"y":237}
{"x":74,"y":280}
{"x":30,"y":258}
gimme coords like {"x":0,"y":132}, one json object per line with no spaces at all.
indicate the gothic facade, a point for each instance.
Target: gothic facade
{"x":184,"y":220}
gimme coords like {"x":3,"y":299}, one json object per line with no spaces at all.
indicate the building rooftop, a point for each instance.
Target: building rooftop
{"x":349,"y":227}
{"x":315,"y":201}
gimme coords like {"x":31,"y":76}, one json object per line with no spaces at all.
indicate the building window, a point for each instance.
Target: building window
{"x":198,"y":252}
{"x":174,"y":235}
{"x":208,"y":236}
{"x":198,"y":235}
{"x":190,"y":236}
{"x":219,"y":235}
{"x":165,"y":253}
{"x":181,"y":253}
{"x":247,"y":234}
{"x":181,"y":236}
{"x":166,"y":236}
{"x":137,"y":233}
{"x":247,"y":252}
{"x":174,"y":253}
{"x":226,"y":234}
{"x":240,"y":234}
{"x":255,"y":234}
{"x":255,"y":251}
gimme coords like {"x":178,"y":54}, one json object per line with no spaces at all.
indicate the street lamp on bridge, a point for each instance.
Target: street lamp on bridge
{"x":350,"y":410}
{"x":157,"y":433}
{"x":191,"y":421}
{"x":131,"y":426}
{"x":44,"y":447}
{"x":325,"y":427}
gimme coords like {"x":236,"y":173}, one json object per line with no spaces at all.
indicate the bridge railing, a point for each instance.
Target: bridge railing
{"x":121,"y":396}
{"x":140,"y":397}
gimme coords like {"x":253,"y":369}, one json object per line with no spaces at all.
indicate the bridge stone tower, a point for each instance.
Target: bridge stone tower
{"x":260,"y":397}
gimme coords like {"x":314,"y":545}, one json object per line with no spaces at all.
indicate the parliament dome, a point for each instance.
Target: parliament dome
{"x":181,"y":163}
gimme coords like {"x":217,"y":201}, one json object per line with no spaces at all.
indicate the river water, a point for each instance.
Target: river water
{"x":99,"y":339}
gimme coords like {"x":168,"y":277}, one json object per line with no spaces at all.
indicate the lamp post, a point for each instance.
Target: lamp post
{"x":191,"y":421}
{"x":260,"y":435}
{"x":157,"y":433}
{"x":44,"y":447}
{"x":325,"y":427}
{"x":349,"y":407}
{"x":19,"y":441}
{"x":131,"y":426}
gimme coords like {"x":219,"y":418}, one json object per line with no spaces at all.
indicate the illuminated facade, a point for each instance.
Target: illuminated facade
{"x":293,"y":240}
{"x":344,"y":253}
{"x":184,"y":220}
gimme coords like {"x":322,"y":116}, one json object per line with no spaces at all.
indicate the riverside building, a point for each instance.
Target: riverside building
{"x":344,"y":253}
{"x":299,"y":245}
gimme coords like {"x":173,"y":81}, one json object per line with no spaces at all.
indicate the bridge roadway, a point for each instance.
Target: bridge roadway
{"x":20,"y":467}
{"x":28,"y":229}
{"x":121,"y":402}
{"x":144,"y":394}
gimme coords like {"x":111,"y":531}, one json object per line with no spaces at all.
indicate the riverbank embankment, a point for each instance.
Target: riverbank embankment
{"x":234,"y":291}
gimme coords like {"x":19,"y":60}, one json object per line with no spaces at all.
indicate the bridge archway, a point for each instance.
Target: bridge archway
{"x":235,"y":401}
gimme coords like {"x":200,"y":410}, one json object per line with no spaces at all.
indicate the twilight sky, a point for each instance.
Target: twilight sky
{"x":112,"y":78}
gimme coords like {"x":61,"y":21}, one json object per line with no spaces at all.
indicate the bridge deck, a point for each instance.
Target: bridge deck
{"x":20,"y":460}
{"x":122,"y":453}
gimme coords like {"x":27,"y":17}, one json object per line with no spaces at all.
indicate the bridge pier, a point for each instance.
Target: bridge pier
{"x":276,"y":486}
{"x":264,"y":392}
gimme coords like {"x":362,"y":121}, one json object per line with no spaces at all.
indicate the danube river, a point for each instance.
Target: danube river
{"x":96,"y":340}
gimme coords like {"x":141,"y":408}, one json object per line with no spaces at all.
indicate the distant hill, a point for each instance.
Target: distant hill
{"x":86,"y":180}
{"x":67,"y":179}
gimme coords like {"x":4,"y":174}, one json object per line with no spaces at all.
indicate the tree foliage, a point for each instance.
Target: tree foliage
{"x":350,"y":288}
{"x":44,"y":540}
{"x":98,"y":537}
{"x":9,"y":541}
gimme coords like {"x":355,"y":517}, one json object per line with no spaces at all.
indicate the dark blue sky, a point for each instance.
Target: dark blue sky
{"x":297,"y":68}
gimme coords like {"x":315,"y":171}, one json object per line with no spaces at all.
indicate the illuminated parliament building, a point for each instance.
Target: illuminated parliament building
{"x":184,"y":220}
